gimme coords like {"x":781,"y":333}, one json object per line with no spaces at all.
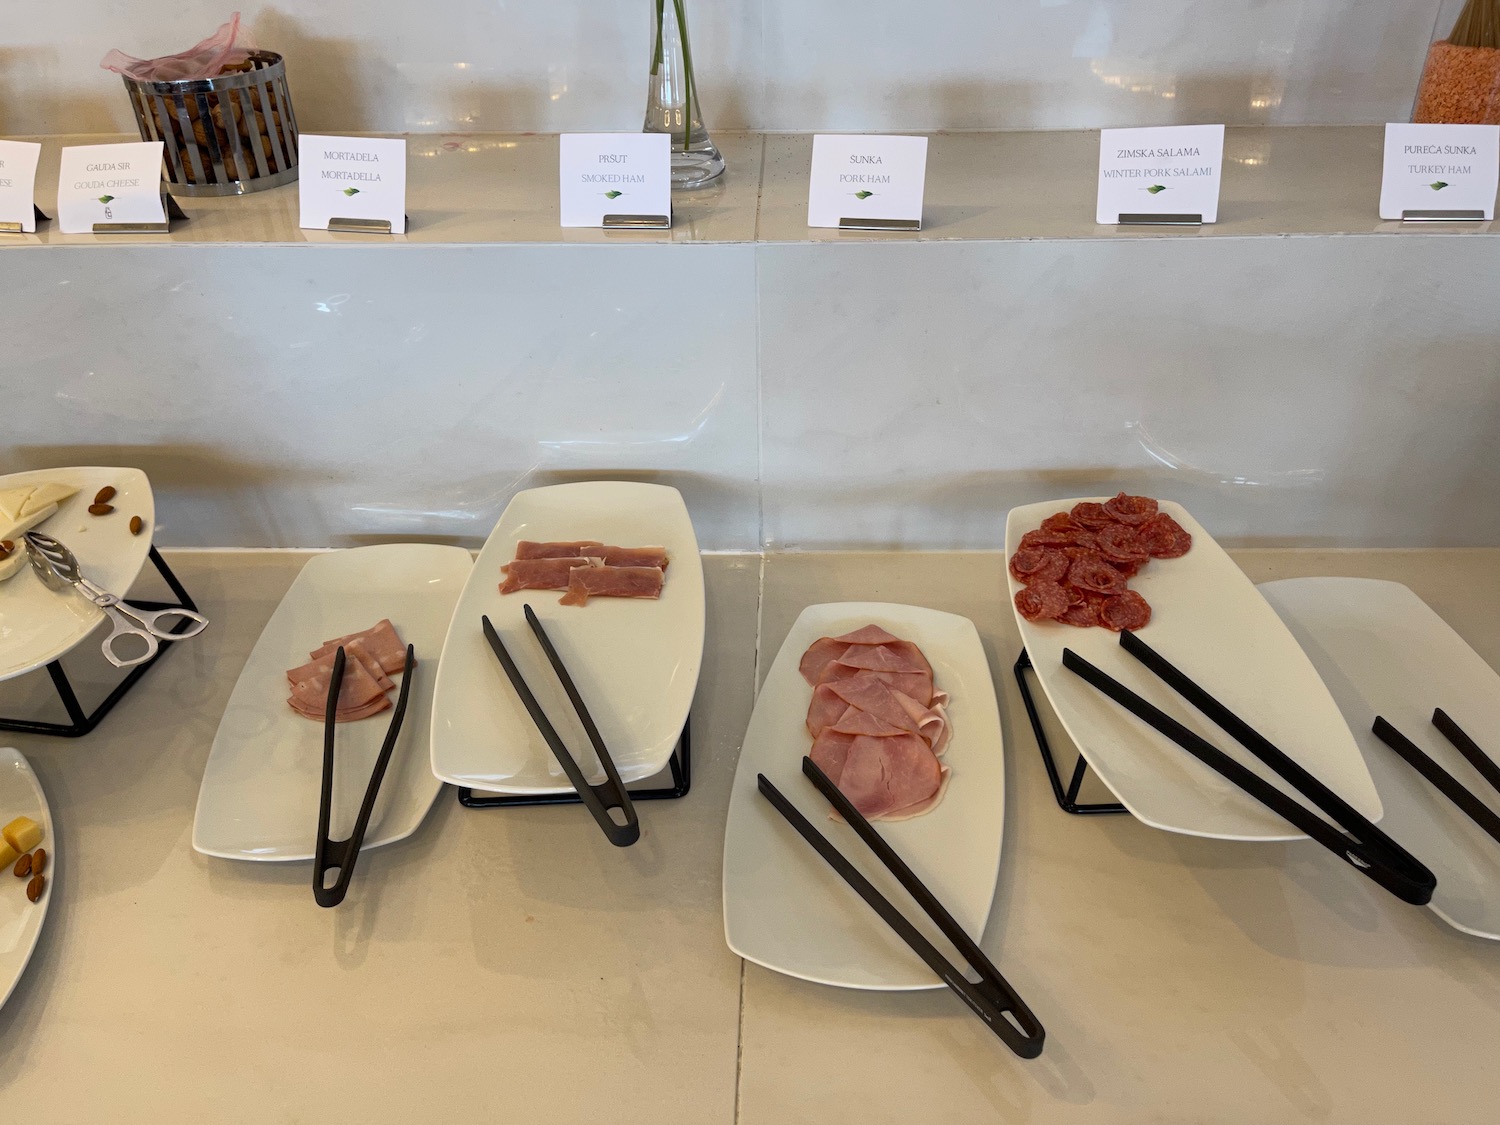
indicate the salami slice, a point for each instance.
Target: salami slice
{"x":1095,"y":576}
{"x":1128,"y":611}
{"x":1083,"y":615}
{"x":1027,"y":561}
{"x":1091,"y":515}
{"x":1119,"y":543}
{"x":1058,"y":537}
{"x":1128,"y":569}
{"x":1133,"y":510}
{"x":1061,"y":521}
{"x":1042,"y":601}
{"x":1164,"y":538}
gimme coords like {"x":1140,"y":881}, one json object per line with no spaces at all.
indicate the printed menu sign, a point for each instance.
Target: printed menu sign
{"x":1440,"y":168}
{"x":18,"y":161}
{"x":866,"y":177}
{"x":613,"y":174}
{"x":1162,"y":170}
{"x":351,"y":178}
{"x":109,"y":184}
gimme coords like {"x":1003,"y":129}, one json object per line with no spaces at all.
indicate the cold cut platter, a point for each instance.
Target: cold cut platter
{"x":784,"y":907}
{"x":39,"y":625}
{"x":633,"y":647}
{"x":260,"y":793}
{"x":1206,"y":616}
{"x":1383,"y":651}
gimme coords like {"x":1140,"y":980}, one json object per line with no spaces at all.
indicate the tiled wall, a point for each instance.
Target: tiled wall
{"x":481,"y":65}
{"x":1316,"y":390}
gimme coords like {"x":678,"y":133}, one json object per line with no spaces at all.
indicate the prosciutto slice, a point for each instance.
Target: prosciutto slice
{"x":632,"y":556}
{"x":585,"y":582}
{"x":526,"y":549}
{"x":540,"y":574}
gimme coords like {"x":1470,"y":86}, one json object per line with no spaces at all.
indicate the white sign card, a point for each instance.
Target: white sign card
{"x":351,"y":178}
{"x":1440,"y":168}
{"x":109,"y":184}
{"x":18,"y":160}
{"x":1161,"y":170}
{"x":602,"y":174}
{"x":866,"y":177}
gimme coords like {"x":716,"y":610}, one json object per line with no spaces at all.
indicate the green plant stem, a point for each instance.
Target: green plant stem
{"x":687,"y":67}
{"x":656,"y":56}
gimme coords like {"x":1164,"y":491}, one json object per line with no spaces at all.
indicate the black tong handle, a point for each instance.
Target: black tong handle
{"x":598,"y":799}
{"x":992,"y":997}
{"x":1440,"y":779}
{"x":344,"y":853}
{"x":1364,"y":847}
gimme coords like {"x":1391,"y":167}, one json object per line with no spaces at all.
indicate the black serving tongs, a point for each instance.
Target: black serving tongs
{"x":343,"y":854}
{"x":1440,"y":779}
{"x":991,"y":998}
{"x":598,"y":799}
{"x":1363,"y":846}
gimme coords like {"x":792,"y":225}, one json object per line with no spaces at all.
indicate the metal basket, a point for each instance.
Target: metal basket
{"x":229,"y":135}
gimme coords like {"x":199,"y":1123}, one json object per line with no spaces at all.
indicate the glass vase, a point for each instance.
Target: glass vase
{"x":672,"y":100}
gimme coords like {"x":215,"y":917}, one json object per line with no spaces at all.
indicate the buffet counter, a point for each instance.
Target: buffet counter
{"x":510,"y":965}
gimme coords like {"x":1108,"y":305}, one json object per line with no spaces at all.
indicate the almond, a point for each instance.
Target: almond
{"x":39,"y":861}
{"x":23,"y":866}
{"x":34,"y":888}
{"x":136,"y":524}
{"x":100,"y":509}
{"x":105,"y":494}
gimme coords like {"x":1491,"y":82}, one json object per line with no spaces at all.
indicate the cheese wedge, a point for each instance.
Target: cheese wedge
{"x":44,"y":494}
{"x":12,"y":501}
{"x":8,"y":855}
{"x":23,"y":834}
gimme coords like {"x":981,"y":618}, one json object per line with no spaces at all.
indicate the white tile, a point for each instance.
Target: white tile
{"x":286,"y":396}
{"x":1323,"y":391}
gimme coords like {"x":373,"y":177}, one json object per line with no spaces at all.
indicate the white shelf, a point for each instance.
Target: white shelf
{"x":468,"y":189}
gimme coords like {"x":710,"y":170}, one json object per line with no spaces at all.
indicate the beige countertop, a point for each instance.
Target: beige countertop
{"x":511,"y":966}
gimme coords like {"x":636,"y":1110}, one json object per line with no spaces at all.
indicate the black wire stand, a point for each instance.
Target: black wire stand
{"x":81,"y":721}
{"x":680,"y":763}
{"x":1067,"y":798}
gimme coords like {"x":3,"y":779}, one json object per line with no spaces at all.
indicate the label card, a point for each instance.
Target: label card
{"x":351,"y":178}
{"x":866,"y":177}
{"x":1161,"y":170}
{"x":1440,"y":168}
{"x":602,"y":174}
{"x":109,"y":184}
{"x":18,"y":161}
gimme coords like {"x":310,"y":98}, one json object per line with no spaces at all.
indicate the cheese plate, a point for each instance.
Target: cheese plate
{"x":21,"y":920}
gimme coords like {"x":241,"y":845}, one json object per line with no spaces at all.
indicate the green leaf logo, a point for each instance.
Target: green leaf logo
{"x":105,"y":198}
{"x":1437,"y":185}
{"x":863,"y":194}
{"x":1157,"y":189}
{"x":351,"y":191}
{"x":613,"y":194}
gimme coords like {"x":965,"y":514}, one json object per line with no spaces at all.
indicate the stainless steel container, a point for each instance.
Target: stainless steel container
{"x":228,"y":135}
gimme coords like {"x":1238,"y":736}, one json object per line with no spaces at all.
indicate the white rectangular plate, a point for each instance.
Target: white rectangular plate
{"x":784,"y":907}
{"x":635,"y":661}
{"x":261,"y":787}
{"x":21,"y":920}
{"x":37,"y":624}
{"x":1383,"y":651}
{"x":1208,"y":619}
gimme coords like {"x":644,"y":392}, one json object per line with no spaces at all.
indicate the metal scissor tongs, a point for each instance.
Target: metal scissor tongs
{"x":55,"y":564}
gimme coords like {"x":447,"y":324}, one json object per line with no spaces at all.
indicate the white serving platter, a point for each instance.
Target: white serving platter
{"x":784,"y":907}
{"x":1383,"y":651}
{"x":38,"y":625}
{"x":20,"y":919}
{"x":1210,"y":621}
{"x":635,"y":661}
{"x":260,"y":793}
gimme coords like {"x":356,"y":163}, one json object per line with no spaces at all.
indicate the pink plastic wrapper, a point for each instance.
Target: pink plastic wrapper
{"x":225,"y":48}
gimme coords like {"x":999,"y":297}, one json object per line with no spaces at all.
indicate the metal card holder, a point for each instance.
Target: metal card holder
{"x":359,"y":226}
{"x":15,"y":228}
{"x":169,"y":206}
{"x":637,"y":222}
{"x":1440,"y":216}
{"x":1142,"y":219}
{"x":880,"y":224}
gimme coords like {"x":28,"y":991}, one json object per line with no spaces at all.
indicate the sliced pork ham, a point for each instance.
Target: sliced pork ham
{"x":540,"y":574}
{"x":877,"y":721}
